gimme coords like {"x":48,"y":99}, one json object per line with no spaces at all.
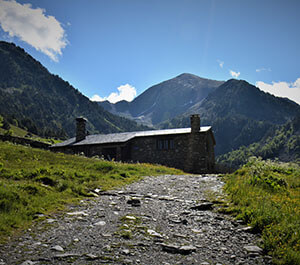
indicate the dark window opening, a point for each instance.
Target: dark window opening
{"x":165,"y":144}
{"x":109,"y":153}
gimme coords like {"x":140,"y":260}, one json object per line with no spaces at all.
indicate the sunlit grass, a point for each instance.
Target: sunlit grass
{"x":266,"y":195}
{"x":34,"y":181}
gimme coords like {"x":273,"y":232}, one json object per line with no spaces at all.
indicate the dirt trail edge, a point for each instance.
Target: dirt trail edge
{"x":159,"y":220}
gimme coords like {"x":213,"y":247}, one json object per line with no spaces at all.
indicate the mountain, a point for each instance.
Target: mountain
{"x":239,"y":113}
{"x":281,"y":142}
{"x":165,"y":100}
{"x":45,"y":104}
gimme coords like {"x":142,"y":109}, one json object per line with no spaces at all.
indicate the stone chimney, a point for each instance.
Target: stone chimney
{"x":195,"y":123}
{"x":80,"y":129}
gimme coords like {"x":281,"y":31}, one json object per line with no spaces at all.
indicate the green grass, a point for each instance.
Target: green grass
{"x":35,"y":181}
{"x":19,"y":132}
{"x":16,"y":131}
{"x":266,"y":195}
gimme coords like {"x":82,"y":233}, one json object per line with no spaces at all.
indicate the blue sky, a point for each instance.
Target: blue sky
{"x":118,"y":48}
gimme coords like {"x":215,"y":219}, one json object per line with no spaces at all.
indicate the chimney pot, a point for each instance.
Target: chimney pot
{"x":80,"y":129}
{"x":195,"y":123}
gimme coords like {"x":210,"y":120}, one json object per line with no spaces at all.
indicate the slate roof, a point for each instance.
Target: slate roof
{"x":124,"y":137}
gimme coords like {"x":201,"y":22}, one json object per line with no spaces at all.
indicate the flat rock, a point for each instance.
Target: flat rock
{"x":197,"y":231}
{"x":185,"y":250}
{"x":66,"y":255}
{"x":91,"y":256}
{"x":129,"y":217}
{"x":79,"y":213}
{"x":27,"y":262}
{"x":93,"y":194}
{"x":97,"y":190}
{"x":166,"y":198}
{"x":154,"y":233}
{"x":100,"y":223}
{"x":175,"y":249}
{"x":125,"y":251}
{"x":57,"y":248}
{"x":253,"y":249}
{"x":247,"y":229}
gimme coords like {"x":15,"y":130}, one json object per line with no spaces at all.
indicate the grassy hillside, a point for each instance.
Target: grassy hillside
{"x":9,"y":129}
{"x":34,"y":181}
{"x":266,"y":195}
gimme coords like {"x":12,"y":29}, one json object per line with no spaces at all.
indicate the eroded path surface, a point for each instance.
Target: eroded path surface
{"x":159,"y":220}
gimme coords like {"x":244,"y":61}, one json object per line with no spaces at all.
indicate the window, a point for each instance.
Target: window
{"x":165,"y":144}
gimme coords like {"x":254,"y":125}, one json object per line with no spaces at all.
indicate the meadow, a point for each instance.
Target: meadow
{"x":266,"y":195}
{"x":35,"y":182}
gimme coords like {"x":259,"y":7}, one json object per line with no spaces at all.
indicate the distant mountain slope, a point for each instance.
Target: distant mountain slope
{"x":165,"y":100}
{"x":239,"y":113}
{"x":44,"y":103}
{"x":282,"y":142}
{"x":240,"y":97}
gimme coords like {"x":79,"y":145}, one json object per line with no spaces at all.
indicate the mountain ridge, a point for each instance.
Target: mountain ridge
{"x":239,"y":113}
{"x":164,"y":100}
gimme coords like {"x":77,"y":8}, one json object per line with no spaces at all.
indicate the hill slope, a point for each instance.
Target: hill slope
{"x":165,"y":100}
{"x":44,"y":103}
{"x":282,"y":142}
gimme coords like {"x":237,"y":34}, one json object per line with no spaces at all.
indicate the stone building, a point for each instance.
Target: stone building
{"x":189,"y":149}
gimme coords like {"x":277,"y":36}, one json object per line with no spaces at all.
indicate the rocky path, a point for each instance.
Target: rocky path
{"x":159,"y":220}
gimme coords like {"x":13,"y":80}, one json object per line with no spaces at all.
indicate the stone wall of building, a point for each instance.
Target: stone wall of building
{"x":191,"y":152}
{"x":211,"y":152}
{"x":197,"y":157}
{"x":145,"y":149}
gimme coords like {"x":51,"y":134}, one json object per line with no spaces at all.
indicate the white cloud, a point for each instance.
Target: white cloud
{"x":263,"y":69}
{"x":126,"y":92}
{"x":282,"y":89}
{"x":32,"y":26}
{"x":221,"y":64}
{"x":97,"y":98}
{"x":234,"y":74}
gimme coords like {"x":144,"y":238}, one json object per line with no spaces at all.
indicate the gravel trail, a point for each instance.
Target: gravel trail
{"x":159,"y":220}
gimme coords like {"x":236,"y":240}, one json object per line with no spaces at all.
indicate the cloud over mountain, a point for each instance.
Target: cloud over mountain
{"x":34,"y":27}
{"x":234,"y":74}
{"x":125,"y":92}
{"x":282,"y":89}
